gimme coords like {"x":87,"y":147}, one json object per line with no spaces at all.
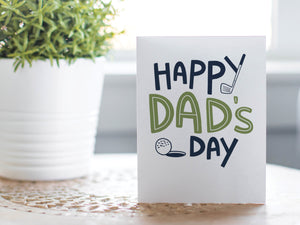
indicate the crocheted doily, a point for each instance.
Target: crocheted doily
{"x":110,"y":189}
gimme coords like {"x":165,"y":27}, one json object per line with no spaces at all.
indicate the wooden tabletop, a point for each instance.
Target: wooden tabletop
{"x":108,"y":196}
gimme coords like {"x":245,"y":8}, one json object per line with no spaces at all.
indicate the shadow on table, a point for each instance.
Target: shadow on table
{"x":206,"y":213}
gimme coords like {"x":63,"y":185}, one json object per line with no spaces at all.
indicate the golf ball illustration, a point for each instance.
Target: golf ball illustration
{"x":163,"y":146}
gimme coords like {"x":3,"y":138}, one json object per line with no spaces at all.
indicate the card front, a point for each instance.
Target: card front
{"x":201,"y":119}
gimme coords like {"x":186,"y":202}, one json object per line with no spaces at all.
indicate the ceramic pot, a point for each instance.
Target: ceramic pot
{"x":48,"y":118}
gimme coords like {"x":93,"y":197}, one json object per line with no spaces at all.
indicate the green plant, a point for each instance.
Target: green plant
{"x":55,"y":29}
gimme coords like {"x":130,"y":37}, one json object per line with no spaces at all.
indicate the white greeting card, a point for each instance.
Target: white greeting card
{"x":201,"y":119}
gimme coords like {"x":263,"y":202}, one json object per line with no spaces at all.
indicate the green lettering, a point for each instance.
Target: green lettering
{"x":210,"y":103}
{"x":244,"y":120}
{"x":194,"y":114}
{"x":154,"y":99}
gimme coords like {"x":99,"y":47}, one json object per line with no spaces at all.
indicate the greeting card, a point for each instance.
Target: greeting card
{"x":201,"y":119}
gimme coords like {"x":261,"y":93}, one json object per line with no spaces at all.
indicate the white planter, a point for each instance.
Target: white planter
{"x":48,"y":119}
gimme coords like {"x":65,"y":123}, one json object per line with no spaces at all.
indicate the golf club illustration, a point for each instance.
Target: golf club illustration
{"x":226,"y":88}
{"x":163,"y":146}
